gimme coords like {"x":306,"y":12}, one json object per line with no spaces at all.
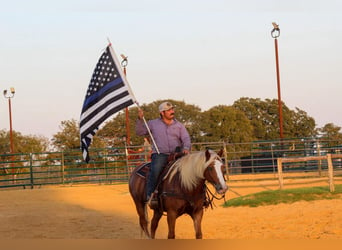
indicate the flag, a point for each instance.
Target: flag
{"x":108,"y":92}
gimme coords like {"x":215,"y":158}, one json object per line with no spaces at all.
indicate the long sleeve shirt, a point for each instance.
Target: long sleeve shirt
{"x":167,"y":137}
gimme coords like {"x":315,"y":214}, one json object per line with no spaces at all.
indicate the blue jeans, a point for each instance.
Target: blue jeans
{"x":158,"y":162}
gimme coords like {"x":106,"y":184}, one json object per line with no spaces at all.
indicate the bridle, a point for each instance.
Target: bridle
{"x":210,"y":195}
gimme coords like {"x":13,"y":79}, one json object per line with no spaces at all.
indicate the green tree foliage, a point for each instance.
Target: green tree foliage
{"x":332,"y":132}
{"x":225,"y":123}
{"x":300,"y":124}
{"x":69,"y":137}
{"x":22,"y":143}
{"x":114,"y":132}
{"x":264,"y":117}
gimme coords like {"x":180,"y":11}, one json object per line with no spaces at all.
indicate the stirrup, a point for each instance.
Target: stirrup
{"x":153,"y":201}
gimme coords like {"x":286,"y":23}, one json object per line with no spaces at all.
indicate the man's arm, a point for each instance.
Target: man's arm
{"x":140,"y":128}
{"x":186,"y":140}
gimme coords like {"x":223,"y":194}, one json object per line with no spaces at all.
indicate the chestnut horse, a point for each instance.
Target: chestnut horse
{"x":181,"y":191}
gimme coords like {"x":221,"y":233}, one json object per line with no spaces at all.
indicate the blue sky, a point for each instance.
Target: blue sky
{"x":206,"y":53}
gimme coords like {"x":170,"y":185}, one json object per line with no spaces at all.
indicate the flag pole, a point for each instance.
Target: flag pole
{"x":124,"y":63}
{"x":130,"y":90}
{"x":149,"y":131}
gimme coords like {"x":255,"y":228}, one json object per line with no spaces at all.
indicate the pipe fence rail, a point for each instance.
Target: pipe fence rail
{"x":258,"y":160}
{"x":110,"y":165}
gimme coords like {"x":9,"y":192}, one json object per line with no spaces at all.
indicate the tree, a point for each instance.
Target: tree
{"x":69,"y":137}
{"x":114,"y":131}
{"x":333,"y":133}
{"x":254,"y":109}
{"x":225,"y":123}
{"x":300,"y":124}
{"x":264,"y":117}
{"x":22,"y":143}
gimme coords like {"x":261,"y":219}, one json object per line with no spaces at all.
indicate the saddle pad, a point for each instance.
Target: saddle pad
{"x":143,"y":169}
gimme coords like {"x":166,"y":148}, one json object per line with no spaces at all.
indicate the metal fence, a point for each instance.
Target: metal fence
{"x":114,"y":165}
{"x":109,"y":165}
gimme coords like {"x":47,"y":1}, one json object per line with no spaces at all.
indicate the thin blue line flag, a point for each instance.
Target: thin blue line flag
{"x":108,"y":92}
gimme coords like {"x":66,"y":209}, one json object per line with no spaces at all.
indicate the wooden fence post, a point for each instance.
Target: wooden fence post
{"x":330,"y":173}
{"x":280,"y":173}
{"x":226,"y":160}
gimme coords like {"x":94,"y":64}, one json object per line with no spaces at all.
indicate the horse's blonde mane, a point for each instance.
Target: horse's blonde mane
{"x":191,"y":168}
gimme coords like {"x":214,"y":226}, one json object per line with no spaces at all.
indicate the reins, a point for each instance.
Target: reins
{"x":211,"y":196}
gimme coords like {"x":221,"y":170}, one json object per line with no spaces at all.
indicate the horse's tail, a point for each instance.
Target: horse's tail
{"x":146,"y":213}
{"x":143,"y":230}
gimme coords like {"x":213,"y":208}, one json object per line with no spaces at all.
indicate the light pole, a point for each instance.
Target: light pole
{"x":275,"y":33}
{"x":9,"y":96}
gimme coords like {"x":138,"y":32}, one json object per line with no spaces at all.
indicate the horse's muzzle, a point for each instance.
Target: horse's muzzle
{"x":221,"y":189}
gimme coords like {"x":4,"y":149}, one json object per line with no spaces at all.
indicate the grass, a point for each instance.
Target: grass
{"x":274,"y":197}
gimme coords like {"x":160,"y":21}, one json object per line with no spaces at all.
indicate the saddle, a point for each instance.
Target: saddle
{"x":144,"y":170}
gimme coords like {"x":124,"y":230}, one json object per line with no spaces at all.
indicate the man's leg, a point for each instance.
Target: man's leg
{"x":158,"y":162}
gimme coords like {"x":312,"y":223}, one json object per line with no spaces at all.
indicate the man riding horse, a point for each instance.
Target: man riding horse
{"x":168,"y":134}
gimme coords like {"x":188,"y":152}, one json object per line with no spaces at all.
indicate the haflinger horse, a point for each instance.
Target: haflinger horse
{"x":182,"y":190}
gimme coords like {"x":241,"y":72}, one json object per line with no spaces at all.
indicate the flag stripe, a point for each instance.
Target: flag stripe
{"x":111,"y":86}
{"x":97,"y":119}
{"x":110,"y":97}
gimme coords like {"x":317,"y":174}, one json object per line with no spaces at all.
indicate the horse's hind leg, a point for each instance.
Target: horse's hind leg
{"x":155,"y":221}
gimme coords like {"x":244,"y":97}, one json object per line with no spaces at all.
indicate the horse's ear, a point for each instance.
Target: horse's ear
{"x":220,"y":153}
{"x":207,"y":155}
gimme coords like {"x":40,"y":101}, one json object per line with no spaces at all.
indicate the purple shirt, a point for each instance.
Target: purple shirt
{"x":167,"y":137}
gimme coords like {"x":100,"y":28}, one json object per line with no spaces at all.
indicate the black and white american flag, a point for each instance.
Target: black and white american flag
{"x":108,"y":92}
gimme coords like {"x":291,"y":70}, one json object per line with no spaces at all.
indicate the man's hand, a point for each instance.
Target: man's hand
{"x":185,"y":151}
{"x":140,"y":114}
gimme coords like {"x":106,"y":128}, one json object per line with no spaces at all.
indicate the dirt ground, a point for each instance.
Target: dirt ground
{"x":108,"y":212}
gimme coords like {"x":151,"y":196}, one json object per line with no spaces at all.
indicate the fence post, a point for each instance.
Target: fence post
{"x":330,"y":173}
{"x":31,"y":171}
{"x":62,"y":167}
{"x":105,"y":155}
{"x":280,"y":173}
{"x":226,"y":160}
{"x":128,"y":168}
{"x":319,"y":161}
{"x":272,"y":153}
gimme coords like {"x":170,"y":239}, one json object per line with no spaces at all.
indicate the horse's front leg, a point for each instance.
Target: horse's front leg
{"x":197,"y":219}
{"x":171,"y":221}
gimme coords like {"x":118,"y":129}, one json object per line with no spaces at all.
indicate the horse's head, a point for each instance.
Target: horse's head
{"x":214,"y":171}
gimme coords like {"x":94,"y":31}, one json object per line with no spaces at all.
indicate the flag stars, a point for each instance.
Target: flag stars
{"x":104,"y":73}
